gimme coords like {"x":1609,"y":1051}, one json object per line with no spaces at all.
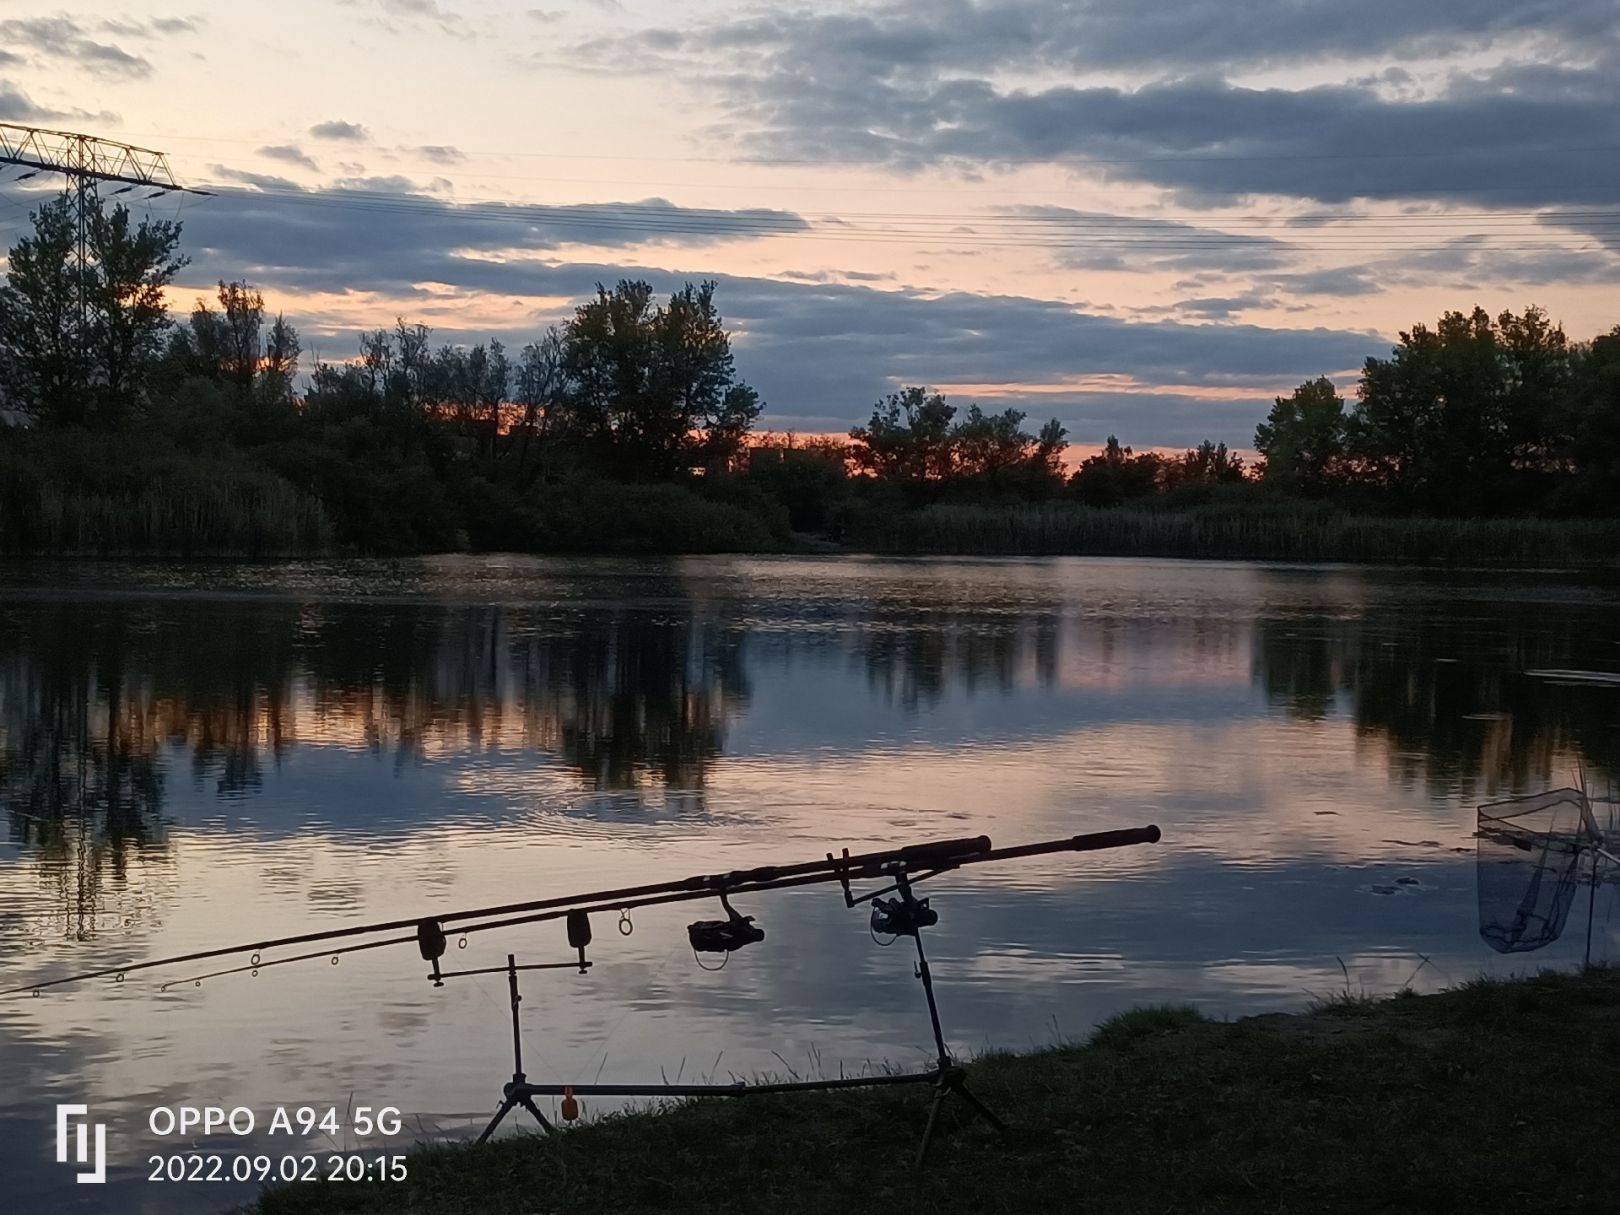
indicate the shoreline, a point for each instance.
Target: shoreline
{"x":1478,"y":1099}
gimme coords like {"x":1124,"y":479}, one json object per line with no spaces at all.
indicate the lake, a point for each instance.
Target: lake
{"x":195,"y":755}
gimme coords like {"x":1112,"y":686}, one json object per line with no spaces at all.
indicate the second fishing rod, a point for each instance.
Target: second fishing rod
{"x":429,"y":932}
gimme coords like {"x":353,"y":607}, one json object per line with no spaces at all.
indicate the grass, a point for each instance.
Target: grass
{"x":1238,"y":533}
{"x":1491,"y":1097}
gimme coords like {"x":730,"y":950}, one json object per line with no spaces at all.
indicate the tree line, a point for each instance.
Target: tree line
{"x":627,"y":425}
{"x":411,"y":445}
{"x":1475,"y":416}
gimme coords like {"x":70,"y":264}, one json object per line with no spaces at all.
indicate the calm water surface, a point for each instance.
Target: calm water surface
{"x":191,"y":756}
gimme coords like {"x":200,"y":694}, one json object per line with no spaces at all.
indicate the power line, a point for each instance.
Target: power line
{"x":1062,"y":158}
{"x":1353,"y":233}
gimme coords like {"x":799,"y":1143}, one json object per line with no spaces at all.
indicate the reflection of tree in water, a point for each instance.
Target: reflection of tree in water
{"x":916,"y":658}
{"x":633,"y":697}
{"x":80,"y":780}
{"x":1445,"y":683}
{"x":622,"y":697}
{"x":94,"y":694}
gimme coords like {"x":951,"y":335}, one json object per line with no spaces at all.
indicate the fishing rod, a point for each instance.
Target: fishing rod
{"x":903,"y":914}
{"x":915,"y":861}
{"x":895,"y":911}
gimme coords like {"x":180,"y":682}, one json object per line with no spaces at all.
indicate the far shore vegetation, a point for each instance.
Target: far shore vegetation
{"x":1488,"y":1098}
{"x":627,"y":429}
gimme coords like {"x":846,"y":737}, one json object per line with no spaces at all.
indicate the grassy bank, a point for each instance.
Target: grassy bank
{"x":1483,"y":1099}
{"x":1286,"y":533}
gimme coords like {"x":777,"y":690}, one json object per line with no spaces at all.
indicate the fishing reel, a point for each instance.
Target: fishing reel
{"x":903,"y":916}
{"x":724,"y":936}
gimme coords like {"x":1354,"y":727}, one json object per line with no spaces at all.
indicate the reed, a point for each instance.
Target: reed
{"x":1286,"y":534}
{"x":202,"y":509}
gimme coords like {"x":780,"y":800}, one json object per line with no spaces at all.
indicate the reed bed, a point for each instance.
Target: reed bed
{"x":244,"y":516}
{"x":1240,"y":534}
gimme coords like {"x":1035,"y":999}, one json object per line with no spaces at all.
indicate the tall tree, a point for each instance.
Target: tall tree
{"x":996,"y":453}
{"x":1590,"y":423}
{"x":39,"y":352}
{"x":281,"y":352}
{"x":907,"y":440}
{"x":1302,"y":441}
{"x":242,"y":310}
{"x":540,"y":393}
{"x":1116,"y":474}
{"x":1458,"y":419}
{"x":1209,"y":463}
{"x":132,"y":266}
{"x":229,"y":343}
{"x":652,"y":389}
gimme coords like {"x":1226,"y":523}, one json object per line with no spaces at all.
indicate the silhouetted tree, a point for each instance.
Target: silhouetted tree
{"x":1207,"y":464}
{"x":1116,"y":474}
{"x":280,"y":364}
{"x":39,"y":350}
{"x":994,"y":453}
{"x":908,"y":438}
{"x":652,"y":389}
{"x":1302,"y":441}
{"x":540,"y":395}
{"x":131,"y":266}
{"x":1589,"y":421}
{"x":1458,"y":419}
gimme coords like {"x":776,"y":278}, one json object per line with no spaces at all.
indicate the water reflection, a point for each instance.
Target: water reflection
{"x":106,"y":697}
{"x":1446,"y":685}
{"x":194,"y":754}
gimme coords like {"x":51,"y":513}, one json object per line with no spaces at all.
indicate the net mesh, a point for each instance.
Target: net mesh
{"x":1529,"y":858}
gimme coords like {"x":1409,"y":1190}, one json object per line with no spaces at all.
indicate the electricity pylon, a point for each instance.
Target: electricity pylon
{"x":86,"y":161}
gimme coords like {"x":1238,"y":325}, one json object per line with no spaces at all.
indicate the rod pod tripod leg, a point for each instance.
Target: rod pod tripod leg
{"x":949,"y":1077}
{"x":516,"y":1091}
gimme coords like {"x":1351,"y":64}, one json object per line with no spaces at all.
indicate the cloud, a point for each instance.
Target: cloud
{"x":291,"y":155}
{"x":1212,"y":141}
{"x":389,"y":234}
{"x":127,"y":27}
{"x":1473,"y":262}
{"x":419,"y":11}
{"x":17,"y":106}
{"x":440,"y":154}
{"x":259,"y":181}
{"x":1596,"y":227}
{"x":63,"y":38}
{"x":1100,"y":240}
{"x":1220,"y":307}
{"x":1338,"y":282}
{"x":337,"y":129}
{"x":414,"y":8}
{"x":942,"y":38}
{"x":1520,"y":114}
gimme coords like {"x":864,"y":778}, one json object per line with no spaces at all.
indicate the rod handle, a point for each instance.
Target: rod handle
{"x":1124,"y":837}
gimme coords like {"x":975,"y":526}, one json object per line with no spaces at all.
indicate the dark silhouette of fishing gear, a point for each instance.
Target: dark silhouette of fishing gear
{"x":895,"y":912}
{"x":903,"y":914}
{"x":1533,"y":854}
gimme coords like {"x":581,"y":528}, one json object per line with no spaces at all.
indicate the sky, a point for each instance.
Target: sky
{"x":1143,"y":220}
